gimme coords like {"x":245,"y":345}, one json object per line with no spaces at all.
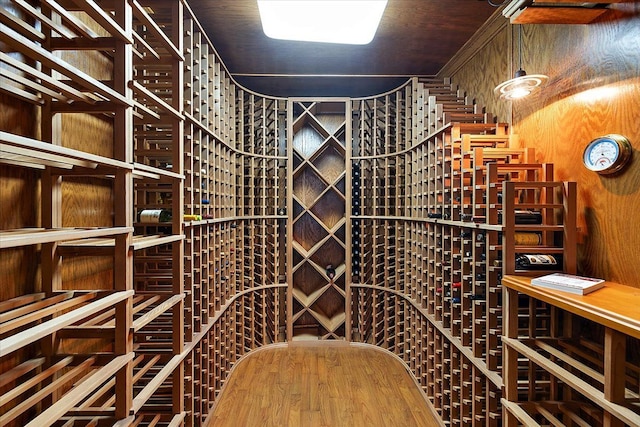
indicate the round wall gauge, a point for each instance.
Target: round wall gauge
{"x":607,"y":154}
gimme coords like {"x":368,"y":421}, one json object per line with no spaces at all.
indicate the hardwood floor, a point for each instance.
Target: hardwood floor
{"x":318,"y":384}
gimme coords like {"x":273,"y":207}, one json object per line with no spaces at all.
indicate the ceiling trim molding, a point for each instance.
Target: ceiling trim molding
{"x":374,"y":76}
{"x":494,"y":25}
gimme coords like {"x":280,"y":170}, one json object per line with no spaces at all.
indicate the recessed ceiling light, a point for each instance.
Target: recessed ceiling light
{"x":329,"y":21}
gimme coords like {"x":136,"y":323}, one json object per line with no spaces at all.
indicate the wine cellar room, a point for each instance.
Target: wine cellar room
{"x":204,"y":224}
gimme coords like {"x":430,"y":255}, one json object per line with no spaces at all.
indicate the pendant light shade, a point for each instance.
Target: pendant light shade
{"x":522,"y":84}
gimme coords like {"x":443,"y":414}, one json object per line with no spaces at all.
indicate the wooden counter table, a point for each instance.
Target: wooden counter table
{"x":617,"y":308}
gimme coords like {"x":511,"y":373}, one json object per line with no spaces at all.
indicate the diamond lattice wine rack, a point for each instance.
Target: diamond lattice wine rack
{"x":318,"y":226}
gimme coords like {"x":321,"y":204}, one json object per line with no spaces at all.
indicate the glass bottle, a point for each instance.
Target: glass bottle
{"x":154,"y":216}
{"x":539,"y":262}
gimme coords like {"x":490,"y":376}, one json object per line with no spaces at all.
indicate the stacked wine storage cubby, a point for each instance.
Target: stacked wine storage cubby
{"x":282,"y":228}
{"x":158,"y":184}
{"x":318,"y":258}
{"x":235,"y":174}
{"x":138,"y":113}
{"x":432,"y":247}
{"x":68,"y":351}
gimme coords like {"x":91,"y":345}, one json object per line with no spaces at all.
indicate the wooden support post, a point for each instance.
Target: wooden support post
{"x":615,"y":346}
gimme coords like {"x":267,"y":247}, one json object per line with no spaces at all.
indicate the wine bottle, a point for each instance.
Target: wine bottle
{"x":524,"y":217}
{"x":524,"y":238}
{"x":188,"y":217}
{"x":437,"y":215}
{"x":477,"y":297}
{"x":331,"y":272}
{"x":154,"y":215}
{"x":539,"y":262}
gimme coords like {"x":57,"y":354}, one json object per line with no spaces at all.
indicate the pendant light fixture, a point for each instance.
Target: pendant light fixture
{"x":522,"y":84}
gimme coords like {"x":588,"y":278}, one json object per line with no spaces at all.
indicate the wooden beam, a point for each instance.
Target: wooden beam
{"x":70,"y":399}
{"x":103,"y":18}
{"x":21,"y":339}
{"x":48,"y":59}
{"x":40,"y":149}
{"x":34,"y":236}
{"x":48,"y":81}
{"x":619,"y":411}
{"x":151,"y":25}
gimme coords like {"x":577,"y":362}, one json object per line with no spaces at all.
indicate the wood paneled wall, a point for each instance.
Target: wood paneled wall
{"x":593,"y":90}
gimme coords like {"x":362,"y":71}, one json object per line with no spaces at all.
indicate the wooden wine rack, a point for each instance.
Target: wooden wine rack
{"x":437,"y":179}
{"x":318,"y":257}
{"x":559,"y":371}
{"x":153,"y":343}
{"x":235,"y":163}
{"x":410,"y":196}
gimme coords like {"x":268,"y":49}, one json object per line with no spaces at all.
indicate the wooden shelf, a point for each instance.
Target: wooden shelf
{"x":34,"y":333}
{"x":603,"y":392}
{"x":88,"y":373}
{"x":30,"y":152}
{"x":614,"y":306}
{"x":554,"y":12}
{"x":430,"y":248}
{"x":35,"y":236}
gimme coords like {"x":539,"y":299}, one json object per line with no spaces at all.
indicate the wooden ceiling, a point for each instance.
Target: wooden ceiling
{"x":415,"y":37}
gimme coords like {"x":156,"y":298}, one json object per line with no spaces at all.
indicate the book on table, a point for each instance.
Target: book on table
{"x":569,"y":283}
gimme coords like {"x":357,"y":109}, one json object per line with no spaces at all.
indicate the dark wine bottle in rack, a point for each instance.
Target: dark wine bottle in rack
{"x":331,"y":272}
{"x":437,"y":215}
{"x":532,"y":262}
{"x":523,"y":217}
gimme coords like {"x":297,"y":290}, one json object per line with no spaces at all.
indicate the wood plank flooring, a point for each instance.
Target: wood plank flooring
{"x":318,"y":384}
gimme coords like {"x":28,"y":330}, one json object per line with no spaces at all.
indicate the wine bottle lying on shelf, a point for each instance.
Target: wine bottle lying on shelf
{"x":437,"y":215}
{"x":538,"y":262}
{"x":154,"y":216}
{"x":524,"y":217}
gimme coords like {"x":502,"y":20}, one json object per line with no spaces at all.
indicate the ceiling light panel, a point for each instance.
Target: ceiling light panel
{"x":328,"y":21}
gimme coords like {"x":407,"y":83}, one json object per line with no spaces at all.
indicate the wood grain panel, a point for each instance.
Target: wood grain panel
{"x":485,"y":70}
{"x":87,"y":202}
{"x":594,"y":89}
{"x":19,"y":204}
